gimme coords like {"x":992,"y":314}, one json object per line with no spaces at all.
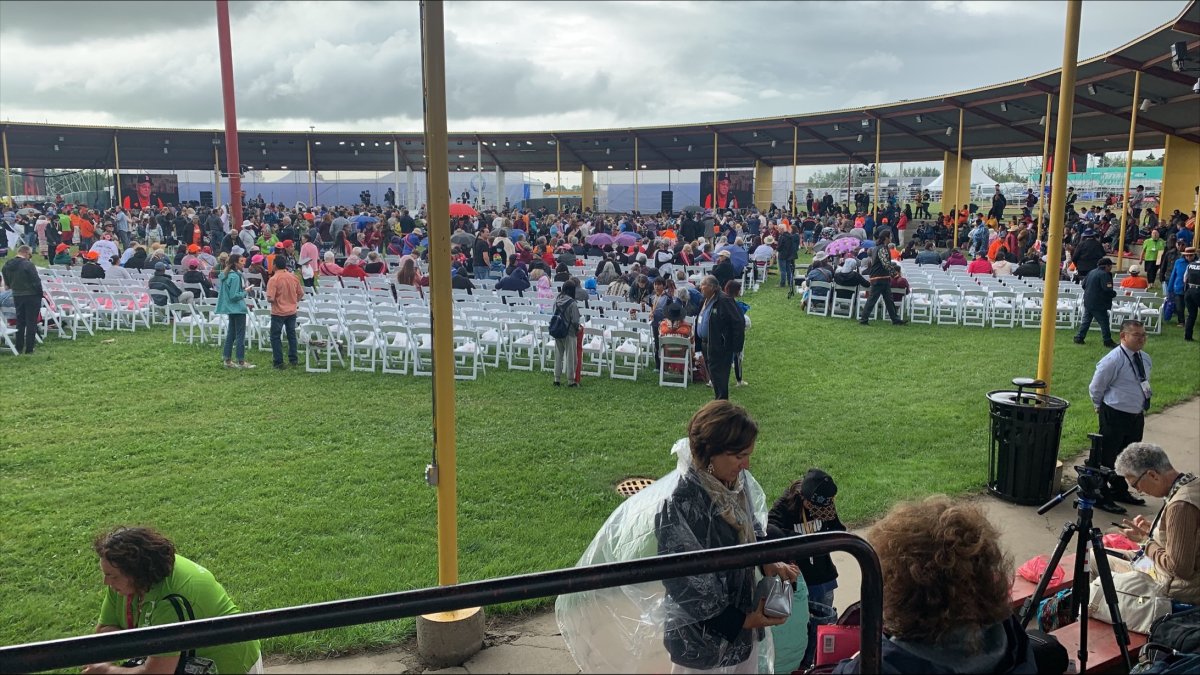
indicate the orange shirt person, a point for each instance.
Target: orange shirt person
{"x":1135,"y":280}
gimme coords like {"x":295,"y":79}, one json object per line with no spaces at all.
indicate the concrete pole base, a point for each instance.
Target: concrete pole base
{"x":449,"y":639}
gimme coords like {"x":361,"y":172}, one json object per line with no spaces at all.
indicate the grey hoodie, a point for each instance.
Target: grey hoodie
{"x":568,"y":307}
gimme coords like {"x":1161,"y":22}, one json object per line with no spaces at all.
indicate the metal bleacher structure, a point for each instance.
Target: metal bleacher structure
{"x":373,"y":325}
{"x":955,"y":297}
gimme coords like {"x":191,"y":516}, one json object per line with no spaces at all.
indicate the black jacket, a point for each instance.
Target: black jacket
{"x":90,"y":270}
{"x":1017,"y":659}
{"x":686,"y":519}
{"x":1098,"y":290}
{"x":1087,"y":254}
{"x":726,"y":327}
{"x":782,"y":522}
{"x":21,"y":276}
{"x":163,"y":282}
{"x":723,"y":271}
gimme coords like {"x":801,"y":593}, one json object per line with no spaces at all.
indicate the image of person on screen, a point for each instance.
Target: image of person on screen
{"x":145,"y":197}
{"x":725,"y":198}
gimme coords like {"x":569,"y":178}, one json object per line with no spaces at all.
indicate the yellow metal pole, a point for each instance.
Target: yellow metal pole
{"x":7,"y":169}
{"x":1133,"y":112}
{"x":437,"y":186}
{"x":795,"y":197}
{"x":637,"y":173}
{"x":1042,"y":179}
{"x":218,"y":202}
{"x":311,"y":197}
{"x":1058,"y":191}
{"x":117,"y":164}
{"x":558,"y":176}
{"x":878,"y":134}
{"x":957,"y":180}
{"x":714,"y":180}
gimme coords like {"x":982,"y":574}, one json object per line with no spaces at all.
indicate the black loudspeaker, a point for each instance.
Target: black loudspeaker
{"x":206,"y":198}
{"x":668,"y":201}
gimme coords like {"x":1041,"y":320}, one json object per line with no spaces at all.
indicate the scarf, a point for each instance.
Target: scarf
{"x":730,"y":503}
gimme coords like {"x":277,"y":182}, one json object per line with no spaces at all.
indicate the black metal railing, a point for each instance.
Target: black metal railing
{"x":117,"y":645}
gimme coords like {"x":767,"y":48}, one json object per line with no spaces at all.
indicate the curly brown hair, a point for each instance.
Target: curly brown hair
{"x":140,"y":553}
{"x":718,"y":428}
{"x":943,"y":568}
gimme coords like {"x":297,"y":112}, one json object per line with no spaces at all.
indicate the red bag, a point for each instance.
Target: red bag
{"x":1119,"y":542}
{"x":1033,"y":569}
{"x":836,"y":642}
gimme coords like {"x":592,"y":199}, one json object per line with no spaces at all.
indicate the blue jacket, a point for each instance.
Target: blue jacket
{"x":232,"y":294}
{"x":1178,"y":274}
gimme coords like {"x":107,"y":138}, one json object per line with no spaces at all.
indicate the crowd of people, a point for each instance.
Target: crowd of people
{"x":946,"y":577}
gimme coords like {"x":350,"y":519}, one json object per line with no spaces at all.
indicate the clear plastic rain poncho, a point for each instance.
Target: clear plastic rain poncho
{"x":625,"y":629}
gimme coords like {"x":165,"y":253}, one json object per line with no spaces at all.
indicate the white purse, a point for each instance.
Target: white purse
{"x":1137,"y":599}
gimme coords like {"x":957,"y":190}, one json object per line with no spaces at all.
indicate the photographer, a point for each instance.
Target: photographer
{"x":1172,"y":541}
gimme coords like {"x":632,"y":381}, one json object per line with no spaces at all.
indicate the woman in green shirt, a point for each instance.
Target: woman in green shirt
{"x":145,"y":581}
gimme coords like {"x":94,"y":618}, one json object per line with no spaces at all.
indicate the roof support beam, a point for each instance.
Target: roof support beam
{"x":735,"y":144}
{"x":1187,"y":26}
{"x":643,"y":142}
{"x":559,"y":143}
{"x":487,"y":149}
{"x":992,"y":117}
{"x":1108,"y":110}
{"x":1153,"y":71}
{"x":924,"y":139}
{"x":807,"y":131}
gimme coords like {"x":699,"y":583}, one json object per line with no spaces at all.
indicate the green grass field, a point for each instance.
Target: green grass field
{"x":297,"y":488}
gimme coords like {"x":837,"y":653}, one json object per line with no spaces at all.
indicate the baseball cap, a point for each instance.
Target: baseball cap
{"x":160,"y":267}
{"x":818,"y":487}
{"x":143,"y":178}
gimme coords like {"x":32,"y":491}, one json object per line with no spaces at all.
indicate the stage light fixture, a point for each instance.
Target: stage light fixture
{"x":1146,"y":103}
{"x":860,"y":138}
{"x":949,"y":130}
{"x":1003,"y":107}
{"x":918,"y":119}
{"x":1092,"y":89}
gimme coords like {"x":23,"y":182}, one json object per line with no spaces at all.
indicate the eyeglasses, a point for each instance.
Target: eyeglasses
{"x":1134,"y":484}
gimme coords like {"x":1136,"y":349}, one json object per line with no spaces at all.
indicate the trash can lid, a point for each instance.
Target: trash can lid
{"x":1027,"y":398}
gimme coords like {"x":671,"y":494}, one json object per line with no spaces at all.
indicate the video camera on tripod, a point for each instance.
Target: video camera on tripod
{"x":1090,"y":488}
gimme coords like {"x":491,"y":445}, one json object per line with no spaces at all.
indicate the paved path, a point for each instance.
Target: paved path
{"x":533,"y":645}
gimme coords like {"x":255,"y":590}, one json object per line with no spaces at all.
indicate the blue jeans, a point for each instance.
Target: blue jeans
{"x":482,"y":271}
{"x":278,"y":325}
{"x":236,"y":334}
{"x":820,"y":596}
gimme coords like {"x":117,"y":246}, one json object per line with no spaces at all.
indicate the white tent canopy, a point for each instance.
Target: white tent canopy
{"x":978,"y":177}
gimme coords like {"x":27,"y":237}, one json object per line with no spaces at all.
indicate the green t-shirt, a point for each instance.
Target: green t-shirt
{"x":1153,"y":248}
{"x":208,"y":599}
{"x":64,"y":222}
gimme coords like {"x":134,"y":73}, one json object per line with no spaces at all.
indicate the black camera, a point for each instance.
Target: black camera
{"x":1092,"y":480}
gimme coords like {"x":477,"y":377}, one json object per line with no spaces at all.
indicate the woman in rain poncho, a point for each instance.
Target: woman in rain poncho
{"x":702,"y":623}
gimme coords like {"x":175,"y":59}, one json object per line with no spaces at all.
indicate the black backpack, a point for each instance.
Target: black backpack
{"x":559,"y":326}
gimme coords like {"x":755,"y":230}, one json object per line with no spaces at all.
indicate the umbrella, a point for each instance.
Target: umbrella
{"x":462,"y":239}
{"x":738,"y":257}
{"x":516,"y":235}
{"x":625,"y":239}
{"x":693,"y":208}
{"x":843,"y":246}
{"x":28,"y":210}
{"x":458,"y":210}
{"x":600,"y":239}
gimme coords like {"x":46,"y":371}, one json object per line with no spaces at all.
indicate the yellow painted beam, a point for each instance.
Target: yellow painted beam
{"x":1058,"y":192}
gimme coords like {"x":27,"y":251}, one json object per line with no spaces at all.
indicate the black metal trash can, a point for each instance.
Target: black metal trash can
{"x":1026,"y":430}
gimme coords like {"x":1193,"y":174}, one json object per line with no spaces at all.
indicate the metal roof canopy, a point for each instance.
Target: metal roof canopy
{"x":999,"y":121}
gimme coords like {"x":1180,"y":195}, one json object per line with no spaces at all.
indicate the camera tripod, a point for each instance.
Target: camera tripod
{"x":1081,"y":586}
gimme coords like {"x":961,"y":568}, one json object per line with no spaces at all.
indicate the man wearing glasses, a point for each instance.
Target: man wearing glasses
{"x":1120,"y":392}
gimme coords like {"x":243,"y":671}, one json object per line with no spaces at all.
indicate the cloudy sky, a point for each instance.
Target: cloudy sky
{"x":524,"y":65}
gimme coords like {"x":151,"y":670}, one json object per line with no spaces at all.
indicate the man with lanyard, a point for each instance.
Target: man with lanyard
{"x":1120,"y":392}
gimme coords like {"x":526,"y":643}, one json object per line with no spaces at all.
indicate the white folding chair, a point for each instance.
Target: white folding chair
{"x":318,"y":339}
{"x":625,"y":355}
{"x":363,"y":344}
{"x":973,"y":309}
{"x":818,"y":303}
{"x":466,"y":355}
{"x":421,"y":348}
{"x":595,"y":351}
{"x":674,"y":361}
{"x":397,"y":347}
{"x":844,"y":307}
{"x":1002,"y":309}
{"x":522,"y":339}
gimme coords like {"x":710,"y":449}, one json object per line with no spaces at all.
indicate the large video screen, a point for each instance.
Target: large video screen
{"x":144,"y":190}
{"x":734,"y":189}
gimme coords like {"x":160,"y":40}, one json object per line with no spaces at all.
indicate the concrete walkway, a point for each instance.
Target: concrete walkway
{"x":534,"y":645}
